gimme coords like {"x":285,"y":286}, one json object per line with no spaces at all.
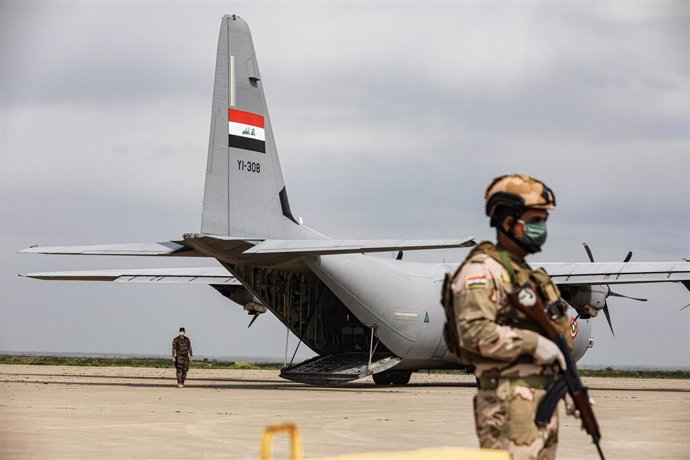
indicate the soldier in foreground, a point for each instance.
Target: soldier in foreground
{"x":181,"y":354}
{"x":514,"y":364}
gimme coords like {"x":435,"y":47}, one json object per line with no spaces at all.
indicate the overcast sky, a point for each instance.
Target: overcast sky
{"x":390,"y":119}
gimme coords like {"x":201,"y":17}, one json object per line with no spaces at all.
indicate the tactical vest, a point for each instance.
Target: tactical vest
{"x":538,"y":280}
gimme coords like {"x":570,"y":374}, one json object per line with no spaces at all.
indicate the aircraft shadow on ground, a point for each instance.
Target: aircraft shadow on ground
{"x":264,"y":384}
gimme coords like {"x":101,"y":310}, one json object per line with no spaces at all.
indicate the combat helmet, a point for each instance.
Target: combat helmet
{"x":518,"y":192}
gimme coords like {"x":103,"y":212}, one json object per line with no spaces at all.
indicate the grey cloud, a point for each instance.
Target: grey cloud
{"x":88,"y":52}
{"x":579,"y":88}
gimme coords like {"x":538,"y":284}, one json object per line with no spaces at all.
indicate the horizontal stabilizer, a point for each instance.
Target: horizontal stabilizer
{"x":586,"y":273}
{"x":196,"y":275}
{"x":324,"y":247}
{"x":167,"y":248}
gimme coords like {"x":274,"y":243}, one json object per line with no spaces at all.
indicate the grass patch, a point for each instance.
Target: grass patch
{"x":131,"y":362}
{"x":635,"y":374}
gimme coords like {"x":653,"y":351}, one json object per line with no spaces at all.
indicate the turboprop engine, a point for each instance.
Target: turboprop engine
{"x":587,"y":301}
{"x":242,"y":296}
{"x":584,"y":303}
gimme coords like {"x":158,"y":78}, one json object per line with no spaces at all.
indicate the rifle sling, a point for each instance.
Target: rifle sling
{"x":508,"y":265}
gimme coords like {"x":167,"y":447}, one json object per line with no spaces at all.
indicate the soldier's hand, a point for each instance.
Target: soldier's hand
{"x":548,"y":352}
{"x":570,"y":408}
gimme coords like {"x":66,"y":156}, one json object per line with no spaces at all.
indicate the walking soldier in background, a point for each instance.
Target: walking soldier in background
{"x":181,"y":354}
{"x":513,"y":362}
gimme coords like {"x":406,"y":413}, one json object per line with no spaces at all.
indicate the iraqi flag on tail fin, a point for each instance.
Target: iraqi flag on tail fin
{"x":246,"y":130}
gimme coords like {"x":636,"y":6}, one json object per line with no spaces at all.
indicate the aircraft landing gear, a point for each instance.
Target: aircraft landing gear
{"x":397,"y":378}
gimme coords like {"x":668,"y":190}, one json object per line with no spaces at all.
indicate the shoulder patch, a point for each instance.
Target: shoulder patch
{"x":505,"y":277}
{"x":475,"y":282}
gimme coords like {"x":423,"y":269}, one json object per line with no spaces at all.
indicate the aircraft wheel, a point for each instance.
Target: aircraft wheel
{"x":392,"y":377}
{"x":382,"y":378}
{"x":401,"y":377}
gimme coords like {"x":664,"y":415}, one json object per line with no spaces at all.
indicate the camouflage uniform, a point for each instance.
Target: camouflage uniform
{"x":499,"y":342}
{"x":181,"y":350}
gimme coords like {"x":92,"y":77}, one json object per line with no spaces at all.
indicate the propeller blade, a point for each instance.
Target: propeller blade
{"x":628,"y":257}
{"x":615,"y":294}
{"x":608,"y":318}
{"x":252,"y":321}
{"x":399,"y":256}
{"x":589,"y":252}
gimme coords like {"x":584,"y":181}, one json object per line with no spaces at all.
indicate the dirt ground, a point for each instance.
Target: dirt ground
{"x":81,"y":412}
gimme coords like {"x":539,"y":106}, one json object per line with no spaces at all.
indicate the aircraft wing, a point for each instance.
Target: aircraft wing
{"x":324,"y":247}
{"x":586,"y":273}
{"x":167,"y":248}
{"x":196,"y":275}
{"x":251,"y":247}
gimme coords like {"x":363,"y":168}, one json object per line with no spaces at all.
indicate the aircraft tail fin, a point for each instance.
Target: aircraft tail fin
{"x":245,"y":194}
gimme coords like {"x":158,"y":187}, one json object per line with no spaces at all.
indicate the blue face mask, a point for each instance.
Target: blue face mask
{"x":534,"y":236}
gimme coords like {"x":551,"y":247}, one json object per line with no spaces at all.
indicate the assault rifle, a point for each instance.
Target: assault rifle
{"x":525,"y":300}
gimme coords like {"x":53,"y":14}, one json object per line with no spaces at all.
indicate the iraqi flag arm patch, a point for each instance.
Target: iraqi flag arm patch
{"x":475,"y":282}
{"x":246,"y":131}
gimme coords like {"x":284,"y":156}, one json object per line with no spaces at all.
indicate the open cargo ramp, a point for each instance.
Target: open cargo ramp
{"x":338,"y":368}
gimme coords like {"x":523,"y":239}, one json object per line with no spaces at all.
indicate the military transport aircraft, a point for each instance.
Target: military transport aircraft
{"x":362,"y":315}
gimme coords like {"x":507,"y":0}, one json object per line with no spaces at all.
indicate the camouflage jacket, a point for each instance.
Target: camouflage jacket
{"x":182,"y":346}
{"x":493,"y":335}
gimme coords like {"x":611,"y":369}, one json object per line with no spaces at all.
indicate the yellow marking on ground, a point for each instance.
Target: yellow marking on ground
{"x":118,"y":425}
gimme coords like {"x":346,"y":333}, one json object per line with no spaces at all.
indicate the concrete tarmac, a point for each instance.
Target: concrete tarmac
{"x":82,"y":412}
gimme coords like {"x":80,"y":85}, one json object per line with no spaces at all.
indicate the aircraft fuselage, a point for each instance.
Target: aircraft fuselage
{"x":334,"y":301}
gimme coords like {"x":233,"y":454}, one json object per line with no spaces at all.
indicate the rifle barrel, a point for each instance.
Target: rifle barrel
{"x":601,"y":453}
